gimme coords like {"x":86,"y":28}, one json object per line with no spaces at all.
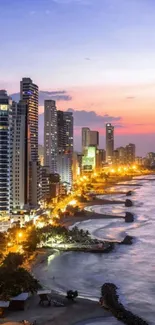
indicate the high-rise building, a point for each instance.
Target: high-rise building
{"x":122,"y":155}
{"x":85,"y":138}
{"x":6,"y":133}
{"x":65,"y":146}
{"x":29,"y":93}
{"x":130,"y":153}
{"x":100,"y":158}
{"x":89,"y":160}
{"x":109,"y":142}
{"x":19,"y":155}
{"x":116,"y":157}
{"x":94,"y":138}
{"x":44,"y":182}
{"x":50,"y":135}
{"x":89,"y":138}
{"x":41,"y":154}
{"x":77,"y":165}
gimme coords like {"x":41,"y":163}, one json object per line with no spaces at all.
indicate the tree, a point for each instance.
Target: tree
{"x":13,"y":261}
{"x":15,"y":281}
{"x":32,"y":240}
{"x":3,"y":243}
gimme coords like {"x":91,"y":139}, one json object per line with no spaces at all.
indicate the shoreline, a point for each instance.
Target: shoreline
{"x":85,"y":308}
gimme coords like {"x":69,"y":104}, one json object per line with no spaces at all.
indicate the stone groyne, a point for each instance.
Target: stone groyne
{"x":110,"y":300}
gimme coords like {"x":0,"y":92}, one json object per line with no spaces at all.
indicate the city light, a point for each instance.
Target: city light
{"x":20,"y":235}
{"x":73,"y":202}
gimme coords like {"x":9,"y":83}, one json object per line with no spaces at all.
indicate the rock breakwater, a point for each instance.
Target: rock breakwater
{"x":110,"y":300}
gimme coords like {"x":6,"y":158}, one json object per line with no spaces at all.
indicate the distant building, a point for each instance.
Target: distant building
{"x":85,"y":138}
{"x":122,"y":155}
{"x":77,"y":165}
{"x":6,"y":152}
{"x":65,"y":147}
{"x":100,"y":158}
{"x":94,"y":138}
{"x":116,"y":158}
{"x":41,"y":154}
{"x":89,"y":160}
{"x":109,"y":142}
{"x":50,"y":135}
{"x":139,"y":161}
{"x":19,"y":155}
{"x":89,"y":138}
{"x":29,"y":94}
{"x":58,"y":142}
{"x":130,"y":153}
{"x":54,"y":183}
{"x":44,"y":182}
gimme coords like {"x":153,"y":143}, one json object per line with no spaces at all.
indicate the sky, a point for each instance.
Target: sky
{"x":95,"y":57}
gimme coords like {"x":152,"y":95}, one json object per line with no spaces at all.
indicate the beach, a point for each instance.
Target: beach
{"x":75,"y":312}
{"x":46,"y":265}
{"x":126,"y":266}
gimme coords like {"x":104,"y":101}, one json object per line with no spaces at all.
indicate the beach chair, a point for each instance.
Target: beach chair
{"x":45,"y":299}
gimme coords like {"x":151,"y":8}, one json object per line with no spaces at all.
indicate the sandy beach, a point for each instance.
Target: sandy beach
{"x":72,"y":313}
{"x":81,"y":310}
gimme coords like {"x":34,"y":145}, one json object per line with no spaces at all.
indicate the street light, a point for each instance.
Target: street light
{"x":19,"y":236}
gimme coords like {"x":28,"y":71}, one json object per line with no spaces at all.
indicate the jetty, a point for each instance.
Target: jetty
{"x":110,"y":301}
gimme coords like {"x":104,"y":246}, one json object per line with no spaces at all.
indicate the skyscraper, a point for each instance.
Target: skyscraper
{"x":6,"y":143}
{"x":130,"y":153}
{"x":109,"y":142}
{"x":65,"y":146}
{"x":94,"y":138}
{"x":29,"y":93}
{"x":85,"y":139}
{"x":89,"y":138}
{"x":50,"y":135}
{"x":100,"y":158}
{"x":19,"y":155}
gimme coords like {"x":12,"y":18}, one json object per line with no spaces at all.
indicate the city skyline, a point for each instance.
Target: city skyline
{"x":91,"y":56}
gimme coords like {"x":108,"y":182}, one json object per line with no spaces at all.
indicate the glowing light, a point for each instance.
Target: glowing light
{"x":20,"y":235}
{"x":73,"y":202}
{"x":112,"y":170}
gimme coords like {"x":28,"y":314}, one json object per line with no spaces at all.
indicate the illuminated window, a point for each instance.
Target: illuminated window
{"x":3,"y":107}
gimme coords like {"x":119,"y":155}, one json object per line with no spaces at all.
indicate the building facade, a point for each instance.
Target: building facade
{"x":94,"y":138}
{"x":41,"y":154}
{"x":65,"y":147}
{"x":6,"y":151}
{"x":19,"y":155}
{"x":100,"y":158}
{"x":29,"y":94}
{"x":109,"y":142}
{"x":89,"y":138}
{"x":130,"y":153}
{"x":50,"y":135}
{"x":85,"y":139}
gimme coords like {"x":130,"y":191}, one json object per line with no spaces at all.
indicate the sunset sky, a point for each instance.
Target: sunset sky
{"x":90,"y":55}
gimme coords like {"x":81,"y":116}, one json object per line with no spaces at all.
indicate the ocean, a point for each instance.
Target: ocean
{"x":131,"y":268}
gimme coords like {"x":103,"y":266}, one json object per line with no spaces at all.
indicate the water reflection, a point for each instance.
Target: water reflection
{"x":131,"y":268}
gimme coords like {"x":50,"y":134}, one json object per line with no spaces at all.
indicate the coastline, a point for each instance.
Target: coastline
{"x":84,"y":308}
